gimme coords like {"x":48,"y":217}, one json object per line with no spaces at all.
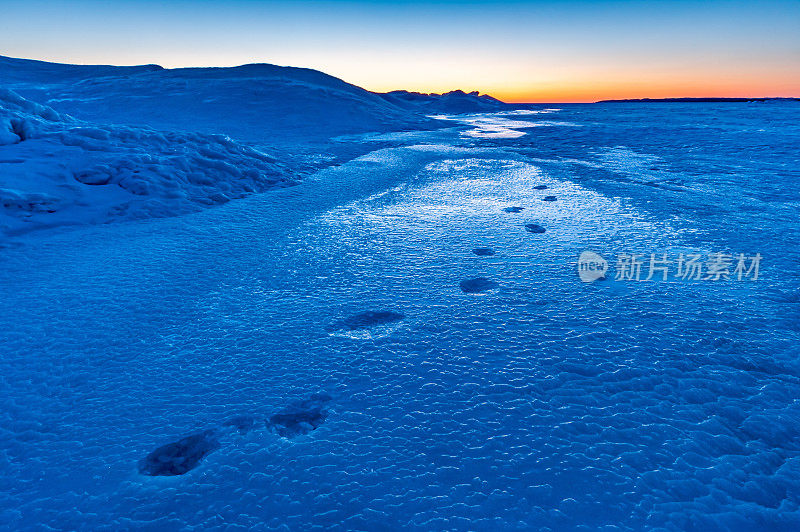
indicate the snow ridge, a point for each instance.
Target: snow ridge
{"x":92,"y":144}
{"x":60,"y":170}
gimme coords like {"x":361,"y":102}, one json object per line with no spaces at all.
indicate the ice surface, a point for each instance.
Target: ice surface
{"x":544,"y":404}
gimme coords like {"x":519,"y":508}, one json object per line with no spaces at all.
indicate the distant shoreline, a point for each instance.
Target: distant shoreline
{"x":698,"y":100}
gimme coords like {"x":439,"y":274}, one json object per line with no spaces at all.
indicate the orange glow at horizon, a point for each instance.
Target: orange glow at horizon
{"x":577,"y":83}
{"x":589,"y":90}
{"x":593,"y":93}
{"x":522,"y":51}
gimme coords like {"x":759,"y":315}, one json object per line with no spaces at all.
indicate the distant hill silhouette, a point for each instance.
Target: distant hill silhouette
{"x":698,"y":100}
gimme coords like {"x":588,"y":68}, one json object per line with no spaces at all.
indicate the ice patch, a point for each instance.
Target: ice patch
{"x":301,"y":417}
{"x":367,"y":319}
{"x":497,"y":125}
{"x":528,"y":112}
{"x":490,"y":126}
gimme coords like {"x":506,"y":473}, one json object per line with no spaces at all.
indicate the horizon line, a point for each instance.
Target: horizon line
{"x":513,"y":101}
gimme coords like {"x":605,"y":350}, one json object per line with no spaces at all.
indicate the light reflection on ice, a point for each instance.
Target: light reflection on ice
{"x":526,"y":112}
{"x":497,"y":126}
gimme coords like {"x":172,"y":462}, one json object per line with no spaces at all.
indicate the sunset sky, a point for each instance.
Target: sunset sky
{"x":534,"y":51}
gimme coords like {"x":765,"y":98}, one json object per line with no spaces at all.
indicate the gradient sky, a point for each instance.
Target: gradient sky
{"x":538,"y":51}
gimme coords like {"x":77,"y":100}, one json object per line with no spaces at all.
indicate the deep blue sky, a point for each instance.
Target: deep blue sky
{"x":536,"y":51}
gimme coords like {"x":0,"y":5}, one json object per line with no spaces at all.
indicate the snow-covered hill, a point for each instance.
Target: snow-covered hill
{"x":82,"y":143}
{"x":456,"y":101}
{"x":254,"y":103}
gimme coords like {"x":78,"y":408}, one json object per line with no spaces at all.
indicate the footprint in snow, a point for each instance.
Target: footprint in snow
{"x":180,"y":457}
{"x":534,"y":228}
{"x":477,"y":285}
{"x":363,"y":320}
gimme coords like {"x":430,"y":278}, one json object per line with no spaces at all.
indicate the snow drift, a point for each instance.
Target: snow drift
{"x":58,"y":170}
{"x":85,"y":143}
{"x":256,"y":103}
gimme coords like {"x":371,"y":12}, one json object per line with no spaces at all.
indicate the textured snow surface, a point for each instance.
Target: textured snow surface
{"x":60,"y":170}
{"x":541,"y":404}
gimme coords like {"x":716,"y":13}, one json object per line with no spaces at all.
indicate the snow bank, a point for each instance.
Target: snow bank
{"x":255,"y":103}
{"x":55,"y":169}
{"x":91,"y":144}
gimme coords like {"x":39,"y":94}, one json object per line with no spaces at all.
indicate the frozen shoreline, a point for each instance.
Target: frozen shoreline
{"x":523,"y":394}
{"x":96,"y":144}
{"x":428,"y":291}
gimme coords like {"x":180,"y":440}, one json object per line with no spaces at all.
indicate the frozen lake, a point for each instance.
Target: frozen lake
{"x":533,"y":401}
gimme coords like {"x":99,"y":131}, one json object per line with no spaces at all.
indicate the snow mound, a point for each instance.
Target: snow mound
{"x":57,"y":170}
{"x":253,"y":103}
{"x":20,"y":118}
{"x":95,"y":143}
{"x":261,"y":103}
{"x":22,"y":70}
